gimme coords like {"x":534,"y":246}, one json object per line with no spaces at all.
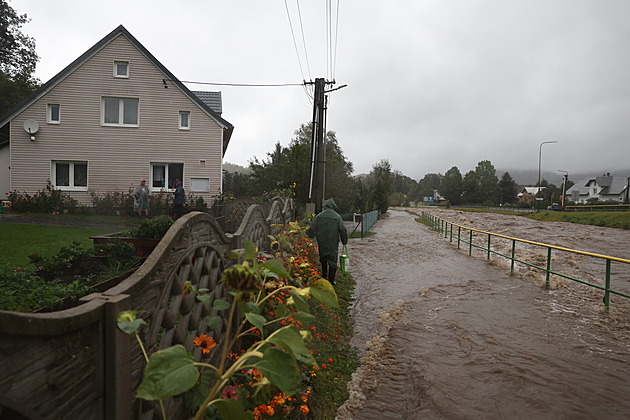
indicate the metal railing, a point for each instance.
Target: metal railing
{"x":457,"y":232}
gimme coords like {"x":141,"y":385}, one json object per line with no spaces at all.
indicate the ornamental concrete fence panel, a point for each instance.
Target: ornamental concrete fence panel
{"x":76,"y":364}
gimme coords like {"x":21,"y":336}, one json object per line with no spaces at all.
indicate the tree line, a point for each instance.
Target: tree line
{"x":286,"y":170}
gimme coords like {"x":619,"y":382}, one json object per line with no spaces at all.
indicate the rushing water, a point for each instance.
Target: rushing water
{"x":447,"y":336}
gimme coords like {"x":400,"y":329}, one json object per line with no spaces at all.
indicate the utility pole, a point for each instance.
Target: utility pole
{"x":318,"y":143}
{"x":318,"y":147}
{"x":564,"y":185}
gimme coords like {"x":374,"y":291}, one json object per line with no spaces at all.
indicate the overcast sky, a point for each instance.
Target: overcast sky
{"x":432,"y":84}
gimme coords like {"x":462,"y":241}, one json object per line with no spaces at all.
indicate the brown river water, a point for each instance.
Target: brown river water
{"x":447,"y":336}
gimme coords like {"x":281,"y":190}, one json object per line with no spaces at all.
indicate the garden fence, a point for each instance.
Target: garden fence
{"x":466,"y":236}
{"x":76,"y":364}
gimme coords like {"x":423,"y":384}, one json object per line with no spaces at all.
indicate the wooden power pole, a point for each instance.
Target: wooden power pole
{"x":318,"y":146}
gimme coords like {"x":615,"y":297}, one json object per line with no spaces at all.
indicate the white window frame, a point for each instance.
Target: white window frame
{"x":195,"y":184}
{"x":121,"y":111}
{"x":49,"y":114}
{"x":167,"y":177}
{"x":71,"y":163}
{"x":117,"y":64}
{"x":181,"y":120}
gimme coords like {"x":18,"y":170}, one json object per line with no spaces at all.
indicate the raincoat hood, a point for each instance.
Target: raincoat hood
{"x":330,"y":204}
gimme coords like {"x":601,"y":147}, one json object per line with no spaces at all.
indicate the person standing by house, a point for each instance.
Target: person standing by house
{"x":141,"y":198}
{"x":328,"y":228}
{"x":179,"y":198}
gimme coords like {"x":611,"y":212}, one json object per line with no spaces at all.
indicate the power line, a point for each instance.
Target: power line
{"x":243,"y":84}
{"x":293,"y":36}
{"x":336,"y":38}
{"x":308,"y":66}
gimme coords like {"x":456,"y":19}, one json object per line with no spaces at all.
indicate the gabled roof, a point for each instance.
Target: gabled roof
{"x":212,"y":99}
{"x":168,"y":76}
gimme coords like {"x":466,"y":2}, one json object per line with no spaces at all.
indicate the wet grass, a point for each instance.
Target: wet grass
{"x":19,"y":240}
{"x":332,"y":339}
{"x":613,"y":219}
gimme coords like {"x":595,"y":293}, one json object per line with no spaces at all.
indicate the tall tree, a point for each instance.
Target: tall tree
{"x":451,"y":186}
{"x":429,"y":184}
{"x":17,"y":58}
{"x":508,"y":189}
{"x":380,"y":186}
{"x":470,"y":184}
{"x":488,"y":182}
{"x":286,"y":166}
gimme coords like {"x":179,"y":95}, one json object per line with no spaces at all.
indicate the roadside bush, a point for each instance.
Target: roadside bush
{"x":112,"y":202}
{"x":153,"y":228}
{"x":48,"y":200}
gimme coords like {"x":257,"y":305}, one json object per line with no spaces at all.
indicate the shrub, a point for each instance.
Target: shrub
{"x":70,"y":260}
{"x":48,"y":200}
{"x":23,"y":290}
{"x":113,"y":202}
{"x":154,"y":228}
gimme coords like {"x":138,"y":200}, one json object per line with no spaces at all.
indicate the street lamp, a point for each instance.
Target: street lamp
{"x":539,"y":158}
{"x":564,"y":185}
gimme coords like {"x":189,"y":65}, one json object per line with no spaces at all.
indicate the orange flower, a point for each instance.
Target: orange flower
{"x":205,"y":343}
{"x":304,"y":409}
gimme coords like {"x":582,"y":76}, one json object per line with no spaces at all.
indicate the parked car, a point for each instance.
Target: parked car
{"x":555,"y":207}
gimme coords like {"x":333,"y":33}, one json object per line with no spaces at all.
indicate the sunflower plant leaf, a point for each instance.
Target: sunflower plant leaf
{"x":205,"y":299}
{"x":281,"y":369}
{"x":290,"y":339}
{"x":276,"y":267}
{"x":256,"y":320}
{"x":169,"y":372}
{"x":300,"y":301}
{"x":250,"y":250}
{"x":281,"y":310}
{"x":130,"y":327}
{"x":232,"y":409}
{"x":212,"y":321}
{"x":324,"y":292}
{"x":220,"y":305}
{"x":304,"y":317}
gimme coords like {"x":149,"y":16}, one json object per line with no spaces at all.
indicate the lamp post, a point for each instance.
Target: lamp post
{"x":539,"y":159}
{"x":564,"y":185}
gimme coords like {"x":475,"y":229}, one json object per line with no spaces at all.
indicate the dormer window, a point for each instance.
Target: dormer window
{"x":121,"y":69}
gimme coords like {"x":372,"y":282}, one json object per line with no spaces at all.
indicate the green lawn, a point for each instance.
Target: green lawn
{"x":18,"y":241}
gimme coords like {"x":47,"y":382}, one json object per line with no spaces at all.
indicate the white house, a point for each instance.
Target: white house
{"x":600,"y":188}
{"x":111,"y":117}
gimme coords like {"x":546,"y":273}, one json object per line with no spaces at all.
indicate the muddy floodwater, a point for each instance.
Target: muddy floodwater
{"x":447,"y":336}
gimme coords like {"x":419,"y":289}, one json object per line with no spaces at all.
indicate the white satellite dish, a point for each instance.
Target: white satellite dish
{"x":31,"y":126}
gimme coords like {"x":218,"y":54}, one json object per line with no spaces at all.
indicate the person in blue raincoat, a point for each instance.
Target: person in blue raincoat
{"x":179,"y":198}
{"x":328,"y":229}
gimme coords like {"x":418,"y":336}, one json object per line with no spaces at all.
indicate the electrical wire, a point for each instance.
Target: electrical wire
{"x":336,"y":39}
{"x":243,"y":84}
{"x":293,"y":36}
{"x":308,"y":66}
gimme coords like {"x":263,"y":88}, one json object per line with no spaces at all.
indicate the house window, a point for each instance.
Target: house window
{"x":163,"y":175}
{"x":121,"y":69}
{"x":199,"y":184}
{"x":184,"y":120}
{"x":68,"y":175}
{"x":53,"y":115}
{"x":120,"y":111}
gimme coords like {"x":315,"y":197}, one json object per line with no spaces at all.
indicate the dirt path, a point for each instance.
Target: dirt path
{"x":447,"y":336}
